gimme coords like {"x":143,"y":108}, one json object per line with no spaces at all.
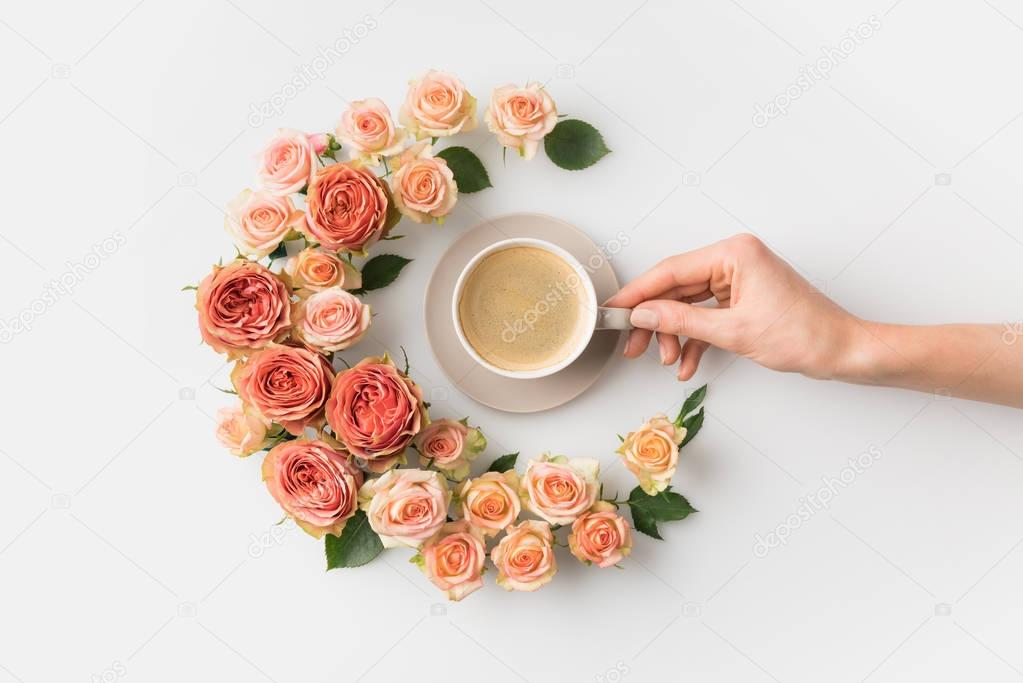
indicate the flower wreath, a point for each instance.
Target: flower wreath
{"x":337,"y":441}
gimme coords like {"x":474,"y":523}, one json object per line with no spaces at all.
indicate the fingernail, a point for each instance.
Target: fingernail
{"x":628,"y":343}
{"x":664,"y":357}
{"x":645,"y":319}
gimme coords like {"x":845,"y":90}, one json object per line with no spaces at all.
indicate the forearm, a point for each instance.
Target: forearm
{"x":978,"y":362}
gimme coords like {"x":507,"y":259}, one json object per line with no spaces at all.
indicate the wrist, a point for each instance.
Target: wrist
{"x":868,"y":354}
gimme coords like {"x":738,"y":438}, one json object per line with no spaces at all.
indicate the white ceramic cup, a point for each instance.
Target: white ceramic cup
{"x":599,"y":317}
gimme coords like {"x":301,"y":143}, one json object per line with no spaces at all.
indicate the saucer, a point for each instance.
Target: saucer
{"x":484,"y":386}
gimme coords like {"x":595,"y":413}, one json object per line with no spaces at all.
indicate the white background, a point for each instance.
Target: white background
{"x":133,"y":547}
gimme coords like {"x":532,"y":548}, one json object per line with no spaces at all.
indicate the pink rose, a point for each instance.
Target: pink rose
{"x":259,"y":221}
{"x":406,"y":507}
{"x":490,"y":502}
{"x":651,"y":453}
{"x":318,"y":270}
{"x":601,"y":536}
{"x":525,"y":556}
{"x":367,"y":129}
{"x":346,"y":208}
{"x":242,"y":306}
{"x":558,"y":489}
{"x":453,"y":559}
{"x":317,"y":486}
{"x":438,"y":105}
{"x":288,"y":162}
{"x":375,"y":410}
{"x":241,"y":430}
{"x":286,"y":384}
{"x":521,"y":117}
{"x":331,"y":320}
{"x":423,"y":186}
{"x":450,"y":445}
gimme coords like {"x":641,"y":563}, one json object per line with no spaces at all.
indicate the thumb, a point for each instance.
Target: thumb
{"x":680,"y":319}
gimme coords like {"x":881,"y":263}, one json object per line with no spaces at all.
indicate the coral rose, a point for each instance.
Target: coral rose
{"x":318,"y":270}
{"x":406,"y":507}
{"x":367,"y":129}
{"x":438,"y":105}
{"x":422,"y":185}
{"x":375,"y":410}
{"x":316,"y":485}
{"x":330,"y":320}
{"x":453,"y":559}
{"x":521,"y":117}
{"x":450,"y":446}
{"x":259,"y":221}
{"x":558,"y":489}
{"x":241,"y":430}
{"x":286,"y":384}
{"x":600,"y":536}
{"x":651,"y":453}
{"x":490,"y":502}
{"x":288,"y":162}
{"x":525,"y":557}
{"x":242,"y":306}
{"x":346,"y":208}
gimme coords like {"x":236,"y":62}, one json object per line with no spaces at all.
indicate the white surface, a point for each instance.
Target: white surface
{"x":125,"y":531}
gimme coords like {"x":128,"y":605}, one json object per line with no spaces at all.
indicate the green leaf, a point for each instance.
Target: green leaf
{"x":690,"y":404}
{"x":575,"y":145}
{"x":692,"y":424}
{"x":666,"y":506}
{"x":357,"y":545}
{"x":189,"y":288}
{"x":470,"y":174}
{"x":280,"y":252}
{"x":381,"y":271}
{"x":504,"y":463}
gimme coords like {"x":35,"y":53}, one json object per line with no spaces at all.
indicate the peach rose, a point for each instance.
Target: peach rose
{"x":525,"y":557}
{"x":406,"y":507}
{"x":521,"y":117}
{"x":318,"y":270}
{"x":367,"y":129}
{"x":286,"y":384}
{"x":316,"y":485}
{"x":346,"y":208}
{"x":259,"y":221}
{"x":288,"y":162}
{"x":450,"y":446}
{"x":422,"y":185}
{"x":453,"y":559}
{"x":375,"y":410}
{"x":490,"y":502}
{"x":558,"y":489}
{"x":241,"y":430}
{"x":438,"y":105}
{"x":331,"y":320}
{"x":242,"y":306}
{"x":651,"y":453}
{"x":600,"y":536}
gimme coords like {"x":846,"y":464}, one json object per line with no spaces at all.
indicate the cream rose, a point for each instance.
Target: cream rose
{"x":521,"y":117}
{"x":259,"y":221}
{"x":559,"y":489}
{"x":600,"y":536}
{"x":422,"y":185}
{"x":450,"y":446}
{"x":317,"y":270}
{"x":651,"y":453}
{"x":525,"y":557}
{"x":490,"y":502}
{"x":406,"y":507}
{"x":367,"y":129}
{"x":289,"y":161}
{"x":438,"y":105}
{"x":241,"y":430}
{"x":453,"y":559}
{"x":330,"y":320}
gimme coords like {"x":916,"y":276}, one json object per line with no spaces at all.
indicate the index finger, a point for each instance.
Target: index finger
{"x":692,"y":269}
